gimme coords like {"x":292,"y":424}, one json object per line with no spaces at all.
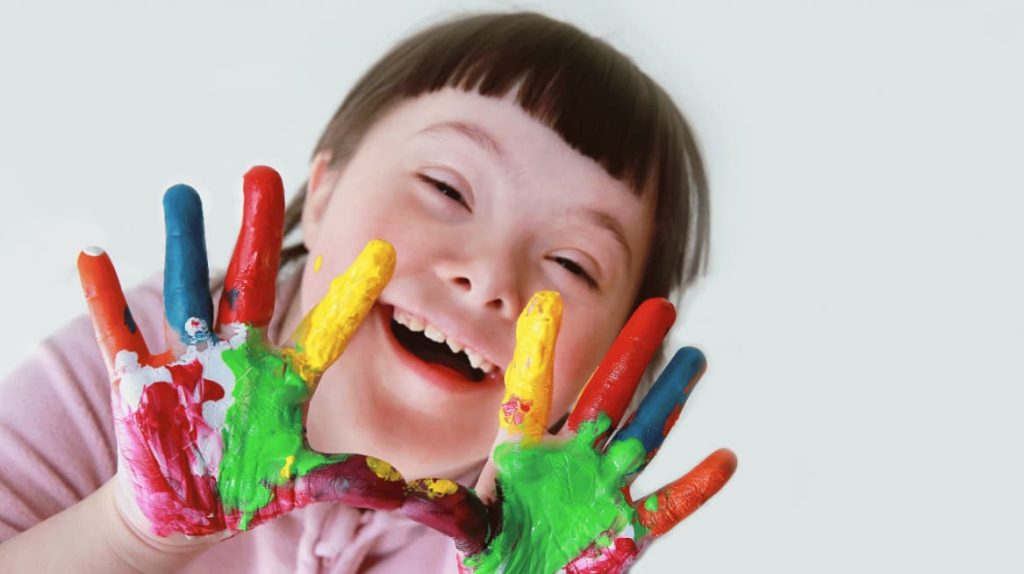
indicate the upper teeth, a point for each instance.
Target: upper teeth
{"x":431,"y":332}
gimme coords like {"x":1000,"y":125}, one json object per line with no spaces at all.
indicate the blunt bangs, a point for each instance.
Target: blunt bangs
{"x":598,"y":101}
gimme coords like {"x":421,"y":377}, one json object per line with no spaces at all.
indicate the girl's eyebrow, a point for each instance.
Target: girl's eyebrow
{"x":476,"y":134}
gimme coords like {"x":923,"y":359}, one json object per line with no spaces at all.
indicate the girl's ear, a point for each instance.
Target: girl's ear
{"x":319,"y":188}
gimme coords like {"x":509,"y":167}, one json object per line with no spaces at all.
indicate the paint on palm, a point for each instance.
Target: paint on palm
{"x":560,"y":515}
{"x":563,"y":502}
{"x":214,"y":440}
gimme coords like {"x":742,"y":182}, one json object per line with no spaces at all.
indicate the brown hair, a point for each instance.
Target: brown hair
{"x":593,"y":96}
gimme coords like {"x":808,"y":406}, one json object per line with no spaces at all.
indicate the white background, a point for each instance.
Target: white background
{"x":862,"y":314}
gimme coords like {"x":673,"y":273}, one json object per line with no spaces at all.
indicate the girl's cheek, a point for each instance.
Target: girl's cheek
{"x":570,"y":377}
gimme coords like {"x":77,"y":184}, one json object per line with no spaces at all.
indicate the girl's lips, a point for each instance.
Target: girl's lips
{"x":442,"y":377}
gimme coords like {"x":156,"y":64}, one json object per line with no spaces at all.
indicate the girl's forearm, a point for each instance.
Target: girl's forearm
{"x":91,"y":536}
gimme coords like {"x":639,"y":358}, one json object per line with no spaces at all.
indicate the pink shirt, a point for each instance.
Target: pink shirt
{"x":57,"y":446}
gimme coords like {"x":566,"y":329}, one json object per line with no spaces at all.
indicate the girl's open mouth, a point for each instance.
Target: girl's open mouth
{"x":434,"y":352}
{"x":439,"y":358}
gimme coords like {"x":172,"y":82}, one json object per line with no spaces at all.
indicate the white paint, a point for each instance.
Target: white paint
{"x":198,"y":462}
{"x":214,"y":412}
{"x":133,"y":379}
{"x":862,"y":313}
{"x":196,"y":327}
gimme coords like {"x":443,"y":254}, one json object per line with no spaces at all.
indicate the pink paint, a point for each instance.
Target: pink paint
{"x":515,"y":409}
{"x":612,"y":559}
{"x":160,"y":439}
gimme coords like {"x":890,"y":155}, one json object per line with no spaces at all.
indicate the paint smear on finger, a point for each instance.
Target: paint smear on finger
{"x":528,"y":380}
{"x":324,"y":333}
{"x":264,"y":436}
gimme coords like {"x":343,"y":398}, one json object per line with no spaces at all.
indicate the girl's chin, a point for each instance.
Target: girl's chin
{"x":433,"y":442}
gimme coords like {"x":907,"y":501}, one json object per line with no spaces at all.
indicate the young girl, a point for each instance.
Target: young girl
{"x":501,"y":156}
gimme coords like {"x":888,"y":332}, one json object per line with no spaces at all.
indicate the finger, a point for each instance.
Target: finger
{"x":324,"y":333}
{"x":249,"y":285}
{"x":354,"y":480}
{"x":611,"y":387}
{"x":358,"y":480}
{"x":660,"y":409}
{"x":661,"y":511}
{"x":451,"y":509}
{"x":528,"y":379}
{"x":525,"y":408}
{"x":487,"y":482}
{"x":187,"y":303}
{"x":115,"y":327}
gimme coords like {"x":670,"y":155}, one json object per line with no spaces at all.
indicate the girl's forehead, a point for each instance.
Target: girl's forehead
{"x":499,"y":131}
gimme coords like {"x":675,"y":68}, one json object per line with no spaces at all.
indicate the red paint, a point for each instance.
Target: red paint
{"x":249,"y":285}
{"x":671,"y":420}
{"x":613,"y":384}
{"x":613,"y":559}
{"x":694,"y":380}
{"x":109,"y":310}
{"x":160,"y":445}
{"x":350,"y":482}
{"x":440,"y":377}
{"x":684,"y":496}
{"x":160,"y":442}
{"x":460,"y":515}
{"x":514,"y":409}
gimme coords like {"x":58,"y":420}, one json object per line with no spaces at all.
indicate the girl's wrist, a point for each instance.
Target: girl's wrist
{"x":94,"y":536}
{"x":129,"y":539}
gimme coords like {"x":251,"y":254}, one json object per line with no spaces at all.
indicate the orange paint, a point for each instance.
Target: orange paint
{"x":115,"y":328}
{"x":684,"y":496}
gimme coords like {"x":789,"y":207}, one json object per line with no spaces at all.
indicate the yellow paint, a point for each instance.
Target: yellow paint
{"x":437,"y":487}
{"x":528,"y":379}
{"x":326,"y":330}
{"x":382,"y":469}
{"x":317,"y":263}
{"x":286,"y":470}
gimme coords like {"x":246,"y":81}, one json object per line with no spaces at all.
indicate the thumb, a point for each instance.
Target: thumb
{"x":355,"y":480}
{"x":452,"y":510}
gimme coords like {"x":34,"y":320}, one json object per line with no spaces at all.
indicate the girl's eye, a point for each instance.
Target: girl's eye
{"x":575,"y":268}
{"x":446,"y":190}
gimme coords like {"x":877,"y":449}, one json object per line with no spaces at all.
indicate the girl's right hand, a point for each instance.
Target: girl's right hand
{"x":211,"y":436}
{"x":562,"y":503}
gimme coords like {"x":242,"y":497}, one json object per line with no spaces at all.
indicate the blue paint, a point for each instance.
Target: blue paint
{"x":186,"y":274}
{"x":670,"y":391}
{"x":129,"y":321}
{"x":232,"y":295}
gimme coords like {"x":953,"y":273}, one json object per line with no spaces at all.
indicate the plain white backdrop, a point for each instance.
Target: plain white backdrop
{"x":862,"y":313}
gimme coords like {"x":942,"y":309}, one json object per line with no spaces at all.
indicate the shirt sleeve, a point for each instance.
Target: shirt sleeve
{"x":56,"y":434}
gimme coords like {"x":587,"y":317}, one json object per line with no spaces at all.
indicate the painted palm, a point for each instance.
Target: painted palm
{"x":549,"y":504}
{"x":210,"y":433}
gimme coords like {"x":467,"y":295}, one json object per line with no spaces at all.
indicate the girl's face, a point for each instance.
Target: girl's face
{"x":484,"y":206}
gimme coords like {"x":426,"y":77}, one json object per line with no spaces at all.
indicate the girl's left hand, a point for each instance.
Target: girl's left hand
{"x":561,"y":503}
{"x":211,"y":433}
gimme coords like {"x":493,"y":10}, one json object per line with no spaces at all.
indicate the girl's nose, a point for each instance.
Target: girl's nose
{"x":485,"y":285}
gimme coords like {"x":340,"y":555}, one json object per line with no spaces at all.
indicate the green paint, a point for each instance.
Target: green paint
{"x":559,"y":498}
{"x":651,"y":504}
{"x":262,"y":428}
